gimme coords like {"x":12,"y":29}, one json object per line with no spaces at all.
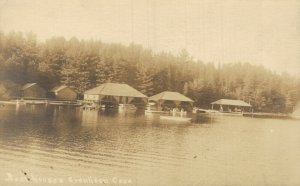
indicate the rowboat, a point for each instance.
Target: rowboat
{"x":295,"y":116}
{"x":156,"y":112}
{"x":176,"y":118}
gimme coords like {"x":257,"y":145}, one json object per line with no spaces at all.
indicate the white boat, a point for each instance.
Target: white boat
{"x":156,"y":112}
{"x":295,"y":116}
{"x":176,"y":118}
{"x":127,"y":107}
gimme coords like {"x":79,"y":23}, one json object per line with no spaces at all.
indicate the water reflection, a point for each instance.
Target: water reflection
{"x":89,"y":117}
{"x":65,"y":141}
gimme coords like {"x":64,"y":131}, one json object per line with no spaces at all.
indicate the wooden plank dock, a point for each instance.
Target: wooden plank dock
{"x":266,"y":115}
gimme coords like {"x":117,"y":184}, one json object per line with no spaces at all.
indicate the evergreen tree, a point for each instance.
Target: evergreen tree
{"x":101,"y":72}
{"x":144,"y":81}
{"x":84,"y":64}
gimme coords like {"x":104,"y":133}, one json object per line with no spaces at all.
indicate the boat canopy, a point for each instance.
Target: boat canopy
{"x":115,"y":89}
{"x":231,"y":102}
{"x":170,"y":96}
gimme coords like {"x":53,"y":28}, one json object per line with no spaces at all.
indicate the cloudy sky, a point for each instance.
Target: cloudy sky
{"x":257,"y":31}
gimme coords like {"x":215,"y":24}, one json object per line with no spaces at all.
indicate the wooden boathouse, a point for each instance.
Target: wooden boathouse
{"x":63,"y":92}
{"x":113,"y":94}
{"x":229,"y":105}
{"x":167,"y":100}
{"x":32,"y":90}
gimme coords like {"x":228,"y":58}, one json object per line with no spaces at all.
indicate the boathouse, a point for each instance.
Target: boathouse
{"x":63,"y":92}
{"x":32,"y":90}
{"x":229,"y":105}
{"x":167,"y":100}
{"x":113,"y":94}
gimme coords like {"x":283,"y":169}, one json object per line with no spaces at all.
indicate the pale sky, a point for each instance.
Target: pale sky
{"x":257,"y":31}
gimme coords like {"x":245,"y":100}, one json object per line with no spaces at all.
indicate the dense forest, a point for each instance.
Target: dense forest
{"x":82,"y":64}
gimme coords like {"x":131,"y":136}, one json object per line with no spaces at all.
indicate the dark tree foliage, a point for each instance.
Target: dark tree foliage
{"x":83,"y":64}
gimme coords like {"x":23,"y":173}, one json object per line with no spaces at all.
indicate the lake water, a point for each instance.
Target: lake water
{"x":68,"y":146}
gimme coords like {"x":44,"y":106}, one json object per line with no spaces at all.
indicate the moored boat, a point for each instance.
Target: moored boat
{"x":295,"y":117}
{"x":157,"y":112}
{"x":176,"y":118}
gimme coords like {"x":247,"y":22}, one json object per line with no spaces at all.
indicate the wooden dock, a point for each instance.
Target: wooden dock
{"x":40,"y":102}
{"x":266,"y":115}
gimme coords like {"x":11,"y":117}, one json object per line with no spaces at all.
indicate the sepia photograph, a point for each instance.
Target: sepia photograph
{"x":150,"y":92}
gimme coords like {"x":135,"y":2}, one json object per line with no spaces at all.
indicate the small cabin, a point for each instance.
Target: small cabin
{"x":32,"y":90}
{"x":63,"y":92}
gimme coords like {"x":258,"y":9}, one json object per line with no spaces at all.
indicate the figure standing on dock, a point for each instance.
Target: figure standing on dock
{"x":174,"y":112}
{"x":181,"y":112}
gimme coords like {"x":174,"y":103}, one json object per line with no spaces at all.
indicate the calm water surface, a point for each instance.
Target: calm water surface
{"x":67,"y":146}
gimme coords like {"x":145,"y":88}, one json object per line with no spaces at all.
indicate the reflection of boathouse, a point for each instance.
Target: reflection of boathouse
{"x":167,"y":100}
{"x":113,"y":94}
{"x":229,"y":105}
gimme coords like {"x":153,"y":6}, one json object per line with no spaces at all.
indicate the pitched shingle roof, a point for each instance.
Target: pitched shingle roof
{"x":231,"y":102}
{"x":28,"y":85}
{"x":115,"y":89}
{"x":172,"y":96}
{"x":59,"y":88}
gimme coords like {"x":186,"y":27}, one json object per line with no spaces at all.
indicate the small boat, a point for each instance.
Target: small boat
{"x":204,"y":111}
{"x":295,"y":117}
{"x":176,"y":118}
{"x":156,"y":112}
{"x":127,"y":107}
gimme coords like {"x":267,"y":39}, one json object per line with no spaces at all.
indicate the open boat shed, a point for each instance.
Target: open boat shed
{"x":228,"y":104}
{"x":171,"y":97}
{"x":114,"y":93}
{"x":63,"y":92}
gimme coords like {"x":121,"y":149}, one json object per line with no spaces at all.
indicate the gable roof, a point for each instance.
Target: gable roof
{"x":115,"y":89}
{"x":231,"y":102}
{"x":172,"y":96}
{"x":28,"y":85}
{"x":59,"y":88}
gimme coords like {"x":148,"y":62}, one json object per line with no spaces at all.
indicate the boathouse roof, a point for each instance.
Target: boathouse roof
{"x":115,"y":89}
{"x":59,"y":88}
{"x":231,"y":102}
{"x":28,"y":85}
{"x":171,"y":96}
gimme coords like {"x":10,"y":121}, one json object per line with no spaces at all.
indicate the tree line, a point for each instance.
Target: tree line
{"x":83,"y":64}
